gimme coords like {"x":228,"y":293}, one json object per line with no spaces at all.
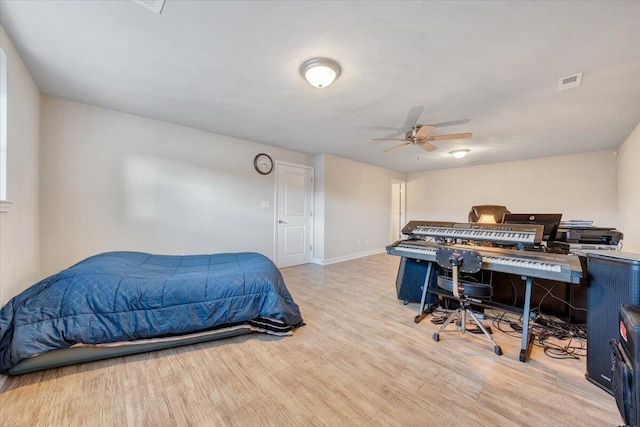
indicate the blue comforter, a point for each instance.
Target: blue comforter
{"x":121,"y":296}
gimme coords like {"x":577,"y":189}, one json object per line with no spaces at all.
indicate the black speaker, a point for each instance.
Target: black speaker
{"x":411,"y":278}
{"x":626,"y":365}
{"x":614,"y":279}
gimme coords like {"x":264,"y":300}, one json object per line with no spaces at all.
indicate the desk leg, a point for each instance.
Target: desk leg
{"x":525,"y":347}
{"x":422,"y":313}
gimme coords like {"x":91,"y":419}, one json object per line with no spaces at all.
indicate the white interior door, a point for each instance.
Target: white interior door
{"x":294,"y":214}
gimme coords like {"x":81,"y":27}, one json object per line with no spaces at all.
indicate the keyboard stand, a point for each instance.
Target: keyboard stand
{"x":525,"y":347}
{"x":425,"y":311}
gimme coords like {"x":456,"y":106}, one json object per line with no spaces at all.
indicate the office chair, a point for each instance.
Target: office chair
{"x":466,"y":261}
{"x":487,"y":213}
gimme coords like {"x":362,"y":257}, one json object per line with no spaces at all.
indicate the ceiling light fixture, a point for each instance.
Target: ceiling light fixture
{"x":320,"y":72}
{"x":458,"y":154}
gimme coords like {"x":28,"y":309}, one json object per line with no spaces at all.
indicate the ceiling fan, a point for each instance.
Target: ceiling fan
{"x":420,"y":135}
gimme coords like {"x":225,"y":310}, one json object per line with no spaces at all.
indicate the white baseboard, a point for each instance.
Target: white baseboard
{"x":348,"y":257}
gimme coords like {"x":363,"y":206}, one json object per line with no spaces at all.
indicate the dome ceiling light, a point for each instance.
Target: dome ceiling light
{"x":458,"y":154}
{"x":320,"y":72}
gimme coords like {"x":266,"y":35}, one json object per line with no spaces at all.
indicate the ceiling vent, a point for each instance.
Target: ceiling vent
{"x":154,"y":6}
{"x":569,"y":82}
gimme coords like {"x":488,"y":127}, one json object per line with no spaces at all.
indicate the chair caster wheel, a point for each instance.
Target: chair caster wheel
{"x":436,"y":337}
{"x":497,"y":350}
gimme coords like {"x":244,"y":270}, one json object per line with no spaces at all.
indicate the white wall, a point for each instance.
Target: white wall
{"x":319,"y":209}
{"x":629,"y":191}
{"x":580,"y":186}
{"x":114,"y":181}
{"x":19,"y":226}
{"x":357,"y":208}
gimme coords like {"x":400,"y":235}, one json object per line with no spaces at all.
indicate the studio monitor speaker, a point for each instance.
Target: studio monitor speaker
{"x":411,"y":279}
{"x":625,"y":380}
{"x":613,"y":280}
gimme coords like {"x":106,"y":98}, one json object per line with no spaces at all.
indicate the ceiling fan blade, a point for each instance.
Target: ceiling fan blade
{"x":424,"y":131}
{"x":451,"y":123}
{"x":450,"y":136}
{"x":389,"y":128}
{"x":427,"y":146}
{"x":389,"y":139}
{"x":412,"y":117}
{"x":397,"y":146}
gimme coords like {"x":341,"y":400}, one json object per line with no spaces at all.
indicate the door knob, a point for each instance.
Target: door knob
{"x":282,"y":222}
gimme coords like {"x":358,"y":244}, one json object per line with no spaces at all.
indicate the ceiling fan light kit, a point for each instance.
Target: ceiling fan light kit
{"x":320,"y":72}
{"x":458,"y":154}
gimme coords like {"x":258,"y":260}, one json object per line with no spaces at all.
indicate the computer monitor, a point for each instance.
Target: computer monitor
{"x":551,"y":222}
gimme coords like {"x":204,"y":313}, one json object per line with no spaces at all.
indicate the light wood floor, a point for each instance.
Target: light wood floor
{"x":359,"y":361}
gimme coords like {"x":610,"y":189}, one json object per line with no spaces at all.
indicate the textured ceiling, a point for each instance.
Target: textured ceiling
{"x":485,"y":67}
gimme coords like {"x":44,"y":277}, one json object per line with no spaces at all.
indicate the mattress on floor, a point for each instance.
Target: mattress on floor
{"x":129,"y":296}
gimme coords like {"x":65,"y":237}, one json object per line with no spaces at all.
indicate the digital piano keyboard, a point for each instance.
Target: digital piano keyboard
{"x":522,"y":234}
{"x":564,"y":268}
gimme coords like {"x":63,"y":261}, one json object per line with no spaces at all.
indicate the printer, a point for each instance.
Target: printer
{"x":590,"y":235}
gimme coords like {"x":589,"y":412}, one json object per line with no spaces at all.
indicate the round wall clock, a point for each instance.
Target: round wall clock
{"x":263,"y":164}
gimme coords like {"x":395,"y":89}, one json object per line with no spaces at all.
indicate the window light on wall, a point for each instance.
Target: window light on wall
{"x":4,"y":204}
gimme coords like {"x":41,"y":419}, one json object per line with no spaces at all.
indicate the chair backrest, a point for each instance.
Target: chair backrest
{"x":486,"y":213}
{"x":465,"y":261}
